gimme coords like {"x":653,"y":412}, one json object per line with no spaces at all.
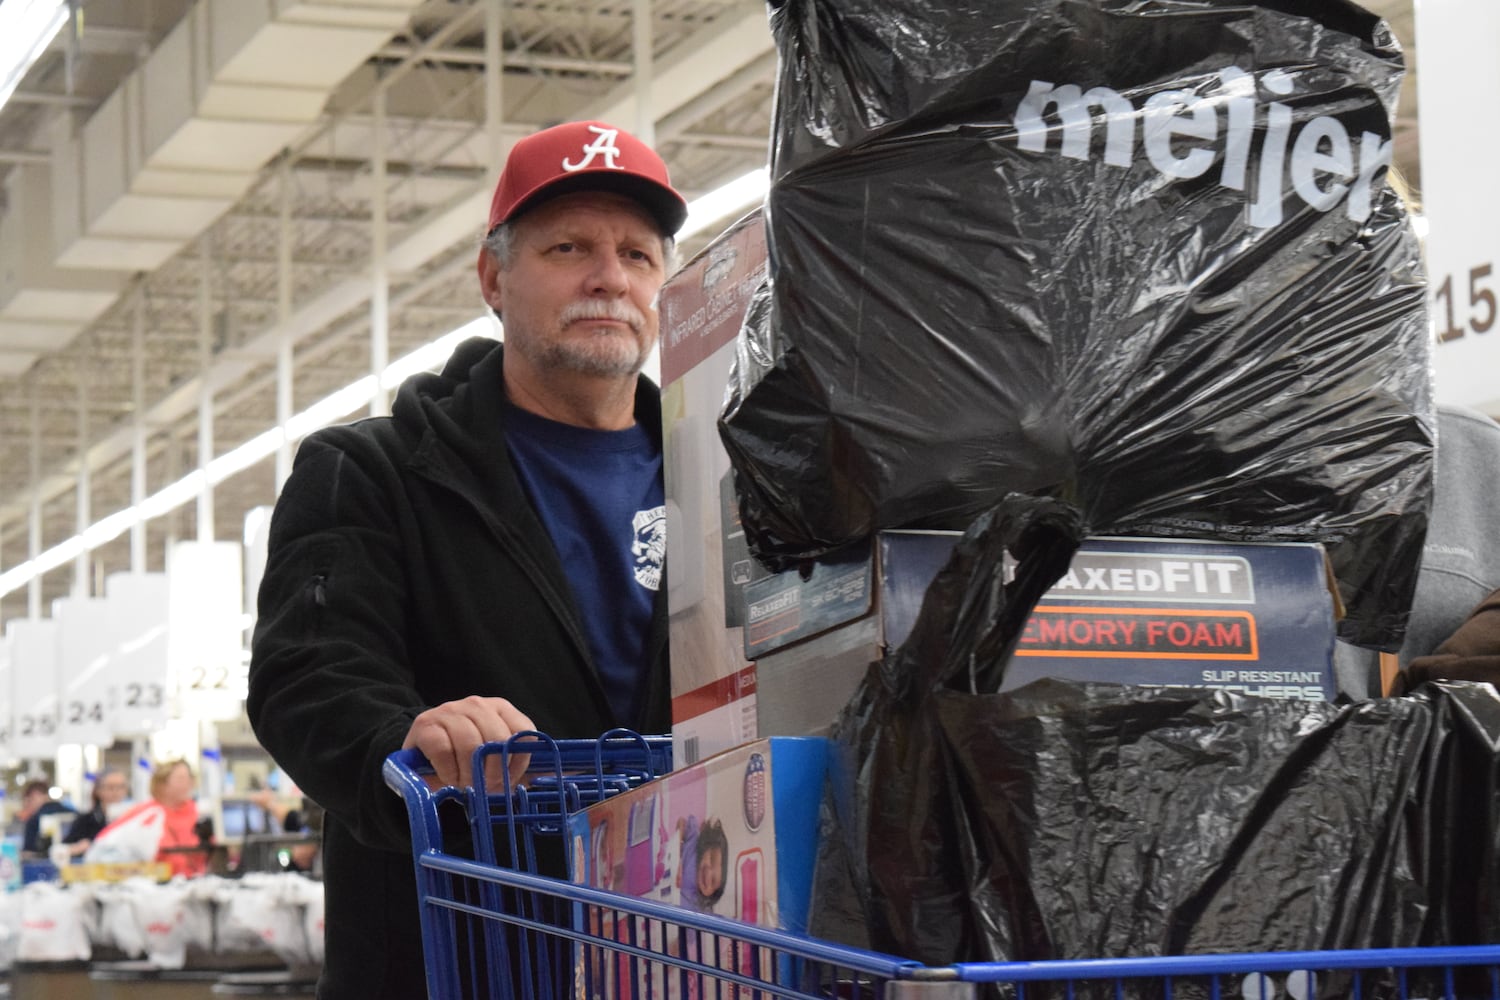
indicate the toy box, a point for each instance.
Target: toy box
{"x":734,"y":835}
{"x":1251,"y":617}
{"x":713,"y":683}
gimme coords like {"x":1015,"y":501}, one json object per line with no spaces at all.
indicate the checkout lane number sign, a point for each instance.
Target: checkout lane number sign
{"x":1458,"y":89}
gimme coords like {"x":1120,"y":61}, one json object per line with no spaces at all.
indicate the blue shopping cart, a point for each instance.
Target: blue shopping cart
{"x":494,"y":921}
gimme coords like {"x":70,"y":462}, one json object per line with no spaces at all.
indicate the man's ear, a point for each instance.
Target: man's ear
{"x":489,"y":279}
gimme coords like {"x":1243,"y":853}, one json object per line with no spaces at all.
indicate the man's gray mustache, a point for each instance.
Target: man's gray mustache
{"x":618,"y":312}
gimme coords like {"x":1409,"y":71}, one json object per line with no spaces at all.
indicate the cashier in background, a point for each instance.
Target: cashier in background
{"x":111,"y":788}
{"x":1454,"y":630}
{"x":490,"y":557}
{"x":163,"y":828}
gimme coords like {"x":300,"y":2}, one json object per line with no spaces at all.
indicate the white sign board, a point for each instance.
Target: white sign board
{"x":82,"y":660}
{"x":205,"y":629}
{"x":7,"y":699}
{"x":33,"y":667}
{"x":1458,"y":90}
{"x":136,"y":689}
{"x":257,"y":545}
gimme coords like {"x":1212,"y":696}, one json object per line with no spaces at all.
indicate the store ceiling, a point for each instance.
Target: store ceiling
{"x":208,"y":265}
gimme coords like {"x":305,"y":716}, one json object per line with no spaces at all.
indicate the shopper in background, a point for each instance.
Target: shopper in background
{"x":489,"y":558}
{"x":1460,"y":569}
{"x":1453,"y":634}
{"x":300,"y":817}
{"x":36,"y":802}
{"x":33,"y":794}
{"x":163,"y":828}
{"x":111,"y":788}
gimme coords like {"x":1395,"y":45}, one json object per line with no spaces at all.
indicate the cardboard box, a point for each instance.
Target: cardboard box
{"x":713,"y":684}
{"x":1251,"y":617}
{"x":734,"y":835}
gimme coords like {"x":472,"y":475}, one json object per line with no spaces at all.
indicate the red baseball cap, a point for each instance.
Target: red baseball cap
{"x":585,"y":156}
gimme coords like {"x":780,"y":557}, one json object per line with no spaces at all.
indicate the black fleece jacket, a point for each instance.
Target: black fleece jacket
{"x":406,"y":568}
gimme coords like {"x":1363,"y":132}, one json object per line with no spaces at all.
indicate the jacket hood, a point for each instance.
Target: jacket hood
{"x":458,"y":371}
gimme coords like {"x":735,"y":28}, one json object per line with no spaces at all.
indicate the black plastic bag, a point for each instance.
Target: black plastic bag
{"x":1088,"y":821}
{"x":1201,"y":314}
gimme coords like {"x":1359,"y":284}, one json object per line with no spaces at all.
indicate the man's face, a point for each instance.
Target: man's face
{"x":31,"y":802}
{"x":578,"y":293}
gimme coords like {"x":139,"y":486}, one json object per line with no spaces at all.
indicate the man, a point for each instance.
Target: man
{"x":489,"y":558}
{"x":36,"y":802}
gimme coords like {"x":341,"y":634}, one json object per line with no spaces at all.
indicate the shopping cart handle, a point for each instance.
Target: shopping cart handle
{"x":407,"y":771}
{"x":410,"y":764}
{"x":405,"y":774}
{"x":573,"y":772}
{"x":410,"y":761}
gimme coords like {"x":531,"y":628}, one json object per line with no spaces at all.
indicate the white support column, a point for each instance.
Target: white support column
{"x":34,"y":527}
{"x":85,"y":483}
{"x":138,"y":426}
{"x":494,"y":86}
{"x":210,"y":774}
{"x":205,"y":391}
{"x":283,"y":320}
{"x":174,"y":473}
{"x":380,"y":292}
{"x":140,"y":768}
{"x":642,"y":46}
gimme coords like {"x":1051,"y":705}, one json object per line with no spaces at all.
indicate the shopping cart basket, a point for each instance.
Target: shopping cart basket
{"x":496,"y":921}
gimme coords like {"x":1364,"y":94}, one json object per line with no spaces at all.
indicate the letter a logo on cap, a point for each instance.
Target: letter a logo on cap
{"x":603,"y":146}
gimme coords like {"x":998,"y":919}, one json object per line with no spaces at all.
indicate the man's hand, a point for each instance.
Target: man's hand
{"x":449,"y":733}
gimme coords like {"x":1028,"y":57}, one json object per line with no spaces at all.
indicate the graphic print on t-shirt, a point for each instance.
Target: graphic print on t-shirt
{"x":650,"y":546}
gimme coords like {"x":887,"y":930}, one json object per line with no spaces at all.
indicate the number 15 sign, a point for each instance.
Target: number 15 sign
{"x":1458,"y":88}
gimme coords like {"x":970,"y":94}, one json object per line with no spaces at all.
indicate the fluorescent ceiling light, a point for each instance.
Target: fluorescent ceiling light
{"x":732,"y":198}
{"x":27,"y":27}
{"x":339,"y":403}
{"x":169,"y":498}
{"x":242,"y":457}
{"x":436,"y":354}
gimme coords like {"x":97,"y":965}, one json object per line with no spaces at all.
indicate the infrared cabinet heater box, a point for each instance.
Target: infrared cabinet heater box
{"x":702,"y":307}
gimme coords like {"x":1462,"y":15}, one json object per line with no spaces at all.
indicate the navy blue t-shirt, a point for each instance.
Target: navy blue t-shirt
{"x":599,"y":495}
